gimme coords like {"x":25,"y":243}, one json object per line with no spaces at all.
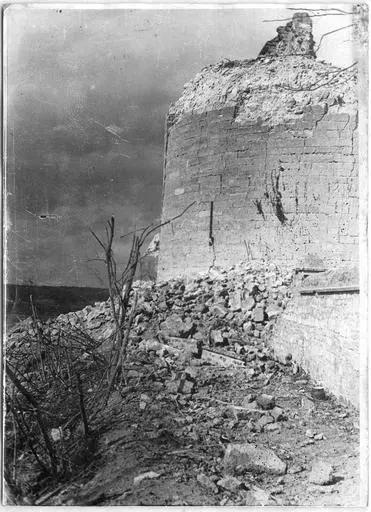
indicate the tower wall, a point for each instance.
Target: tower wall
{"x":286,"y":193}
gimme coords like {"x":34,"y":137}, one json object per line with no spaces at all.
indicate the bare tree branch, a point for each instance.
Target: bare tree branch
{"x":316,"y":85}
{"x":340,"y":11}
{"x":310,"y":15}
{"x":331,"y":32}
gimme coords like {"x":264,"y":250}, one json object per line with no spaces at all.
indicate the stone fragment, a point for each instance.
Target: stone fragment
{"x":239,"y":349}
{"x":322,"y":473}
{"x":248,"y":399}
{"x":143,"y":402}
{"x":248,"y":304}
{"x":263,"y":421}
{"x":217,"y":337}
{"x":258,"y":315}
{"x":247,"y":327}
{"x":205,"y":481}
{"x":198,"y":336}
{"x":266,"y":402}
{"x":294,"y":469}
{"x":258,"y":497}
{"x":174,"y":326}
{"x":219,"y":310}
{"x":201,"y":308}
{"x":253,"y":458}
{"x":56,"y":434}
{"x":273,"y":312}
{"x":277,"y":413}
{"x":310,"y":433}
{"x":220,"y":359}
{"x":307,"y":404}
{"x":318,"y":392}
{"x":186,"y":384}
{"x":133,"y":374}
{"x":248,"y":404}
{"x":272,"y":427}
{"x":145,"y":476}
{"x":230,"y":483}
{"x":235,"y":301}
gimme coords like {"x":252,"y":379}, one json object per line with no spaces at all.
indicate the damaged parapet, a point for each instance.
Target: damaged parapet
{"x":295,"y":38}
{"x":266,"y":149}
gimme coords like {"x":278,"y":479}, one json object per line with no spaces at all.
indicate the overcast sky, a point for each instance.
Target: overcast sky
{"x":87,"y":96}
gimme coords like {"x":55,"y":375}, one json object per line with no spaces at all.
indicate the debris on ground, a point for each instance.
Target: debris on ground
{"x":205,"y":414}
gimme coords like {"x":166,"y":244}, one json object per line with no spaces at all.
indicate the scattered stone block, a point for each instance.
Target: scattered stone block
{"x":253,"y":458}
{"x":272,"y":427}
{"x":277,"y":413}
{"x":219,"y":310}
{"x":217,"y":337}
{"x":266,"y":402}
{"x":145,"y":476}
{"x":235,"y":302}
{"x":174,"y":326}
{"x":263,"y":421}
{"x":206,"y":482}
{"x":294,"y":469}
{"x":322,"y":473}
{"x":230,"y":483}
{"x":248,"y":304}
{"x":258,"y":314}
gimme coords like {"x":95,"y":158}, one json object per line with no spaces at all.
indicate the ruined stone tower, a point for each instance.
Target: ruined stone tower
{"x":266,"y":149}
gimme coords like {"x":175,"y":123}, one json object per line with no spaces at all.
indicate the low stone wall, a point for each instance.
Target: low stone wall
{"x":322,"y":334}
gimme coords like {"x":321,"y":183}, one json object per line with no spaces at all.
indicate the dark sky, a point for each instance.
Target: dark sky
{"x":87,"y":96}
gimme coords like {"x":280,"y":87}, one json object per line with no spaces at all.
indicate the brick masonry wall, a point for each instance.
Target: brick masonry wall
{"x":322,"y":334}
{"x":286,"y":193}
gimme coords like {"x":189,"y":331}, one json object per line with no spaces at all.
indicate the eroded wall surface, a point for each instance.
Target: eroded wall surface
{"x":287,"y":193}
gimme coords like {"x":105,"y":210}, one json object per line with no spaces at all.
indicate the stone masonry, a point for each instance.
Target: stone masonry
{"x":262,"y":155}
{"x":268,"y":156}
{"x":322,"y":335}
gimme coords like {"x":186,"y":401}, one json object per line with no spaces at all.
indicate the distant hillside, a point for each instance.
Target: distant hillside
{"x":50,"y":301}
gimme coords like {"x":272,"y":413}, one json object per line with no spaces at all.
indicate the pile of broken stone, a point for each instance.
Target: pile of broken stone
{"x":193,"y":340}
{"x":231,"y":311}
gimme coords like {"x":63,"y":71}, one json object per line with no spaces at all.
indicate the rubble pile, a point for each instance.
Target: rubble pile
{"x":230,"y":312}
{"x":205,"y":414}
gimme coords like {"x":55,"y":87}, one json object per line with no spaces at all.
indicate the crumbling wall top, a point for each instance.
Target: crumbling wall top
{"x":278,"y":86}
{"x":295,"y":38}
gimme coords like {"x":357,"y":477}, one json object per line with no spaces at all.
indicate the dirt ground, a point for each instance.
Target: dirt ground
{"x":182,"y":439}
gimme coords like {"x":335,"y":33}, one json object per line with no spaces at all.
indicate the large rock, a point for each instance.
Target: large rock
{"x":253,"y":458}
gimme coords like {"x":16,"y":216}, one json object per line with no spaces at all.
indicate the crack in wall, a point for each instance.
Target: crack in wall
{"x":276,"y":200}
{"x":211,"y":236}
{"x":259,"y":207}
